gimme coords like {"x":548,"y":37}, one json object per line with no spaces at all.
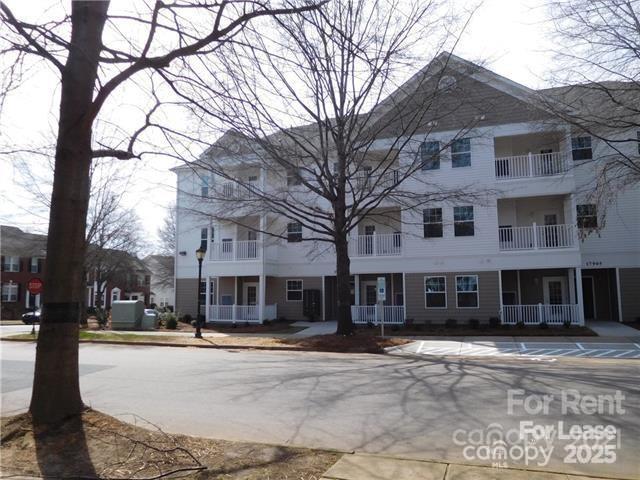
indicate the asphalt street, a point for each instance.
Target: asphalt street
{"x":422,"y":406}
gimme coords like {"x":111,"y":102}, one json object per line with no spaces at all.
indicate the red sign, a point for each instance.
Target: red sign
{"x":35,"y":286}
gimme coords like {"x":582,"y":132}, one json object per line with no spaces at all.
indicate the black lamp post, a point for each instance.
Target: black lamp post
{"x":200,"y":253}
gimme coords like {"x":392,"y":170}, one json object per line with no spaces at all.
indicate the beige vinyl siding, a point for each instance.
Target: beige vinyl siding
{"x":630,"y":293}
{"x":186,"y":292}
{"x":277,"y":293}
{"x":227,"y":287}
{"x":489,"y":303}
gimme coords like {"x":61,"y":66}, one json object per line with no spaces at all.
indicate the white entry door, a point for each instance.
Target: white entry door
{"x":250,"y":293}
{"x":555,"y":290}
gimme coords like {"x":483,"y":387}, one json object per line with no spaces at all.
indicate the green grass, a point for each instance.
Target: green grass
{"x":118,"y":337}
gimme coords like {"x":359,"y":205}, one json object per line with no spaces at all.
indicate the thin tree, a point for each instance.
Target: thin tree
{"x":96,"y":54}
{"x":324,"y":110}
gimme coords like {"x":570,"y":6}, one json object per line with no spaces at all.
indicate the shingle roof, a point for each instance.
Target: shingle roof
{"x":14,"y":241}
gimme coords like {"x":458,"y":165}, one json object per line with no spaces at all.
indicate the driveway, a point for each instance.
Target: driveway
{"x":386,"y":404}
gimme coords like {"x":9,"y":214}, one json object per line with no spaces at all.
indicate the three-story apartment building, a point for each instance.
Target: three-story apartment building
{"x":534,"y":250}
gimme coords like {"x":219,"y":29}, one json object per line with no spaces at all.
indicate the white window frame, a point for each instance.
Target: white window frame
{"x":11,"y":294}
{"x":579,"y":217}
{"x":204,"y":237}
{"x":294,"y":233}
{"x":204,"y":186}
{"x":424,"y":223}
{"x":426,"y":306}
{"x":426,"y":162}
{"x":301,"y":289}
{"x":461,"y":152}
{"x":473,"y":220}
{"x":574,"y":149}
{"x":477,"y":292}
{"x":10,"y":262}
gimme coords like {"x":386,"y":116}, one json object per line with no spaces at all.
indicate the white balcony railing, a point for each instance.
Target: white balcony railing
{"x":537,"y":314}
{"x":388,"y":179}
{"x":241,"y":313}
{"x":531,"y":165}
{"x":536,"y":237}
{"x":235,"y":250}
{"x":391,"y":314}
{"x":375,"y":245}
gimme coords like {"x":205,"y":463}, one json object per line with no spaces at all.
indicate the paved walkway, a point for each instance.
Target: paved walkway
{"x":603,"y":348}
{"x":613,"y":329}
{"x":315,"y":328}
{"x":374,"y":467}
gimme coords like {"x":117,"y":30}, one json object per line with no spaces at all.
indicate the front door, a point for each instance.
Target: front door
{"x":370,"y":294}
{"x":555,"y":290}
{"x":588,"y":298}
{"x":250,"y":294}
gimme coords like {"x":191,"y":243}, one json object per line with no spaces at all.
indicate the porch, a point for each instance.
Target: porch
{"x":533,"y":297}
{"x":236,"y":299}
{"x":235,"y":241}
{"x":379,"y":234}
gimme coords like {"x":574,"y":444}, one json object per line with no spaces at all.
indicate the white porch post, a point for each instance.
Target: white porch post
{"x":207,"y":298}
{"x":618,"y":291}
{"x":572,"y":286}
{"x":261,"y":296}
{"x":356,"y":284}
{"x":324,"y":318}
{"x":404,"y":297}
{"x":500,"y":293}
{"x":579,"y":296}
{"x":235,"y":298}
{"x":519,"y":290}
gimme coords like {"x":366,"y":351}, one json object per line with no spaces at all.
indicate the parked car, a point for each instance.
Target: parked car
{"x":31,"y":317}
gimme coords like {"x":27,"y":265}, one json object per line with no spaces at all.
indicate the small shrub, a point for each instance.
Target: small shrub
{"x":494,"y":322}
{"x":369,"y":324}
{"x":544,"y":326}
{"x":165,"y":317}
{"x":267,"y":322}
{"x":451,"y":323}
{"x":566,"y":324}
{"x":474,"y":323}
{"x":172,"y":323}
{"x":91,"y":310}
{"x":186,"y":318}
{"x":194,"y":323}
{"x":520,"y":324}
{"x":282,"y":319}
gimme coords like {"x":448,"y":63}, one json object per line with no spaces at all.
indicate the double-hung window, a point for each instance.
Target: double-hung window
{"x":463,"y":221}
{"x":430,"y":155}
{"x":204,"y":186}
{"x":581,"y":148}
{"x":432,"y":219}
{"x":203,"y":238}
{"x":10,"y":292}
{"x":34,"y":265}
{"x":435,"y":292}
{"x":467,"y":291}
{"x":11,"y":264}
{"x":587,"y":216}
{"x":294,"y":290}
{"x":461,"y":152}
{"x":294,"y":232}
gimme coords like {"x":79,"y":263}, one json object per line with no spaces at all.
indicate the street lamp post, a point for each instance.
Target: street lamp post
{"x":200,"y":253}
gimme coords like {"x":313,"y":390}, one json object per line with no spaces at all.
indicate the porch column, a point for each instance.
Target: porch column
{"x":207,"y":298}
{"x":572,"y":286}
{"x":404,"y":297}
{"x":261,"y":296}
{"x":574,"y":220}
{"x":619,"y":294}
{"x":263,"y":228}
{"x":500,"y":291}
{"x":324,"y":318}
{"x":579,"y":295}
{"x":519,"y":290}
{"x":357,"y":288}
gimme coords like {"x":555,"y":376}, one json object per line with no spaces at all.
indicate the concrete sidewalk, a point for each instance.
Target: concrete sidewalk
{"x":374,"y":467}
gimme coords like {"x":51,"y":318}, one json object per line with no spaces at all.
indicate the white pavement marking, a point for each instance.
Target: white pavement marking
{"x":527,"y":349}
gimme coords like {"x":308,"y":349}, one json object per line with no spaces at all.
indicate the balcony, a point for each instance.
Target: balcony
{"x":375,"y":245}
{"x":235,"y":250}
{"x":536,"y":237}
{"x":531,"y":165}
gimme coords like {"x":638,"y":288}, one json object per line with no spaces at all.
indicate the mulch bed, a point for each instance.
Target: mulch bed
{"x":96,"y":445}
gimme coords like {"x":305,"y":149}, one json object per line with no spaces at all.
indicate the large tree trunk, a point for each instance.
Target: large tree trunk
{"x":56,"y":389}
{"x":343,"y":280}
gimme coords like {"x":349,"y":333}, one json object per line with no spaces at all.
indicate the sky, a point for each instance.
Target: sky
{"x":510,"y":37}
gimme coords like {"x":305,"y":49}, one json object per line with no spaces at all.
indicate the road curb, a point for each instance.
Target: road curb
{"x":218,"y":347}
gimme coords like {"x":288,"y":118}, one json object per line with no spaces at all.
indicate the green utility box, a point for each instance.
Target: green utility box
{"x":149,"y":319}
{"x":127,"y":314}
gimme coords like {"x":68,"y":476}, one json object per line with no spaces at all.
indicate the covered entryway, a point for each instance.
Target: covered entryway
{"x":600,"y":294}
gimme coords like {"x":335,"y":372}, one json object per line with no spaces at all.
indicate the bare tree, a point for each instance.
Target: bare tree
{"x":339,"y":74}
{"x":598,"y":84}
{"x":167,"y":232}
{"x":95,"y":55}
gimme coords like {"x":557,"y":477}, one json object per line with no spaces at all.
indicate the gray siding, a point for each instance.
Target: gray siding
{"x":489,"y":303}
{"x":186,"y":295}
{"x":277,"y":293}
{"x":630,"y":293}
